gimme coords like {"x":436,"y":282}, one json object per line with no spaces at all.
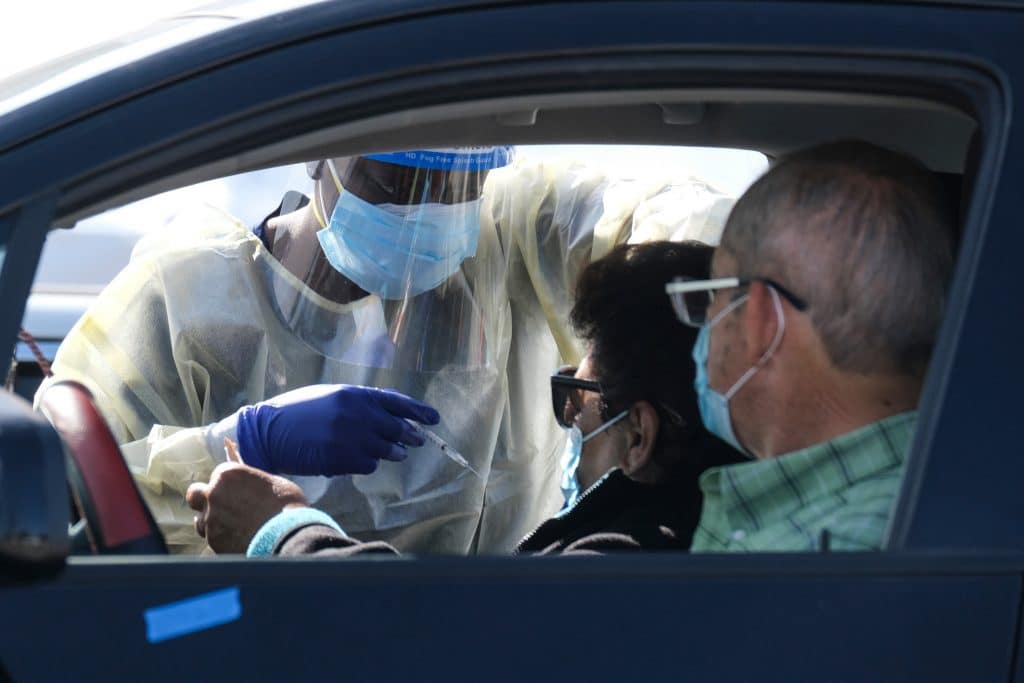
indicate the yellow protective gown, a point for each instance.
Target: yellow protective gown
{"x":204,"y":321}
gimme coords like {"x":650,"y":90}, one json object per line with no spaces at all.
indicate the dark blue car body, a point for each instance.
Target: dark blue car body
{"x":943,"y":602}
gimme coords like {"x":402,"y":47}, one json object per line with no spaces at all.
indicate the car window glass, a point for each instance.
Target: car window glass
{"x":451,"y":353}
{"x":216,"y":279}
{"x":68,"y":281}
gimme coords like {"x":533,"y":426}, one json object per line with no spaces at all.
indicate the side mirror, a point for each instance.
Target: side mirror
{"x":34,"y":506}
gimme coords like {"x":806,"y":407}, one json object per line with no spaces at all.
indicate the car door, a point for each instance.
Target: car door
{"x":943,"y":602}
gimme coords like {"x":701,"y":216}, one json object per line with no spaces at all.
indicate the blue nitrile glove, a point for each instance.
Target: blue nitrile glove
{"x":330,"y":429}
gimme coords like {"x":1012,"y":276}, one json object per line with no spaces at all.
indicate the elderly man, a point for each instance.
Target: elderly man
{"x":816,"y":329}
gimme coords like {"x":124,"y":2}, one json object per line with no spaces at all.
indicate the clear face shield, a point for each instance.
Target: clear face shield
{"x":397,"y":258}
{"x":389,"y":278}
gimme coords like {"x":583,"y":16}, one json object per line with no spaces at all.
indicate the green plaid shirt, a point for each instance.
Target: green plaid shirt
{"x":846,"y":485}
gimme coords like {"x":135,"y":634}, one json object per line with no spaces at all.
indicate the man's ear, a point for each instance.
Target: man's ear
{"x":760,"y":321}
{"x":643,"y":422}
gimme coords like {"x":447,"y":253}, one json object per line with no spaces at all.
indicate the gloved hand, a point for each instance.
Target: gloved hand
{"x":330,"y":429}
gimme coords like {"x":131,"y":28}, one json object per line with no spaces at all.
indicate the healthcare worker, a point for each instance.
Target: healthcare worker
{"x":445,"y":275}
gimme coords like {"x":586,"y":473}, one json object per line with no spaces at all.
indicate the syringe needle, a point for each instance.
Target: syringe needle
{"x":443,"y":446}
{"x":457,"y":457}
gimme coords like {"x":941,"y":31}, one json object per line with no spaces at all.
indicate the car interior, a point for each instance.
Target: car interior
{"x":771,"y":121}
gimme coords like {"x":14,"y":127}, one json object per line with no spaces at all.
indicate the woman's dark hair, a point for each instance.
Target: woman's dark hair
{"x":641,"y":351}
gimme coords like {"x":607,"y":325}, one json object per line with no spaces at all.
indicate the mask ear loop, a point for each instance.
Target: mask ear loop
{"x":334,"y":175}
{"x":772,"y":348}
{"x":606,"y":425}
{"x":321,"y":213}
{"x":318,"y":198}
{"x":728,"y":309}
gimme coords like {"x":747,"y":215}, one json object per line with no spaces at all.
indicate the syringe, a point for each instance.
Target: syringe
{"x":443,"y":445}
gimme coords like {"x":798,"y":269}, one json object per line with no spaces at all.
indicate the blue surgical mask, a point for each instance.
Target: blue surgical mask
{"x":713,"y":406}
{"x":571,"y":458}
{"x":396,"y":251}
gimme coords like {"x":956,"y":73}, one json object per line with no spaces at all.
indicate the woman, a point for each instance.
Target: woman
{"x":636,"y":446}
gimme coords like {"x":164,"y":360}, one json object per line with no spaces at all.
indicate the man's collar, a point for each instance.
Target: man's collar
{"x":759,"y":493}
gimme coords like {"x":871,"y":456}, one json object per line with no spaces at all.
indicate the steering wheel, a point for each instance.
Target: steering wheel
{"x":117,"y":520}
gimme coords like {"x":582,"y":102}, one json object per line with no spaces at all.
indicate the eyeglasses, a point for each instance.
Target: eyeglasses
{"x":566,"y":398}
{"x":691,"y":299}
{"x":568,"y":403}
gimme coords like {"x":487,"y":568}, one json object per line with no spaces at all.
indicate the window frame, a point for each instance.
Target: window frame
{"x":215,"y":140}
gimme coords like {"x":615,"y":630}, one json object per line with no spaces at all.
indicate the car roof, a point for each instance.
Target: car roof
{"x":79,"y":83}
{"x":158,"y":40}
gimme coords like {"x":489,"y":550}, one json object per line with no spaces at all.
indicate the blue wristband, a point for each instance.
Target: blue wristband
{"x":284,"y":523}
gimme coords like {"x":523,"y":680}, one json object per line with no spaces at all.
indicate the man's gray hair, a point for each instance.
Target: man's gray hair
{"x":865,"y":237}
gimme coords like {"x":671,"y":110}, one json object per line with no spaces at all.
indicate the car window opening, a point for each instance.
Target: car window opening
{"x":394,"y":272}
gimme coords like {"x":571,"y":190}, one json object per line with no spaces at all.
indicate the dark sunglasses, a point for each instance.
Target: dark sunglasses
{"x":566,"y":399}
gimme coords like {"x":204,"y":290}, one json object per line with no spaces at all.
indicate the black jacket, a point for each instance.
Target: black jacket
{"x":617,"y":514}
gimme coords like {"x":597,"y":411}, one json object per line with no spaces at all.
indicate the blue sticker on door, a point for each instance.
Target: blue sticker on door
{"x":180,"y":618}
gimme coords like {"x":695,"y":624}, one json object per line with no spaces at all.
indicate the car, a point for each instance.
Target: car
{"x":937,"y":80}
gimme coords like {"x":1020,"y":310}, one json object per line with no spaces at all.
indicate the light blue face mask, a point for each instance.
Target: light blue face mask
{"x":714,"y":407}
{"x":396,"y":251}
{"x":571,"y":458}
